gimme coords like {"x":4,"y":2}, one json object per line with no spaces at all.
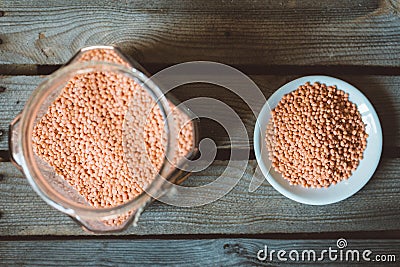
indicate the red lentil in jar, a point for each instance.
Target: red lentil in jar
{"x":105,"y":136}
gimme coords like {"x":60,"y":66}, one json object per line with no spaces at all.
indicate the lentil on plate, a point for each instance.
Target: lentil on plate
{"x":316,"y":136}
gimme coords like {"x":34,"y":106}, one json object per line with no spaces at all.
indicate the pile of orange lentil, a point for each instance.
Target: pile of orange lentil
{"x":316,"y":136}
{"x":84,"y":135}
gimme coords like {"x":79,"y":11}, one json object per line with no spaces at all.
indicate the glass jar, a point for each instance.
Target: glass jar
{"x":46,"y":173}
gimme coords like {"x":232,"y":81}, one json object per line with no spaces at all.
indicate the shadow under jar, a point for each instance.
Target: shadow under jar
{"x":98,"y":140}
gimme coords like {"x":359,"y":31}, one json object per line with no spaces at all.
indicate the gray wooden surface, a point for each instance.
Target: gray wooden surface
{"x":383,"y":91}
{"x":374,"y":208}
{"x":273,"y":42}
{"x":197,"y":252}
{"x":235,"y":32}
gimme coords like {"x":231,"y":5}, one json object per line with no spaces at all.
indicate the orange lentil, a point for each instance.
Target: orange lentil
{"x":338,"y":129}
{"x":81,"y":135}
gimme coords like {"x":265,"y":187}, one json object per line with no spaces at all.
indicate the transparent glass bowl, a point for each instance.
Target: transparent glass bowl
{"x":54,"y":189}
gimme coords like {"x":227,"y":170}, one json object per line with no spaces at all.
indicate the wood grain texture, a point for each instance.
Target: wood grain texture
{"x":208,"y":252}
{"x":374,"y":208}
{"x":236,"y":32}
{"x":383,"y":92}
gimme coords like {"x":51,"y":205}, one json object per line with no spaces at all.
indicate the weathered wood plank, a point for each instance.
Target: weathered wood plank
{"x":237,"y":32}
{"x":374,"y":208}
{"x":383,"y":91}
{"x":208,"y":252}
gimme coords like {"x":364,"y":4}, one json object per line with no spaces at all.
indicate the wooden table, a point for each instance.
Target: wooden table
{"x":271,"y":41}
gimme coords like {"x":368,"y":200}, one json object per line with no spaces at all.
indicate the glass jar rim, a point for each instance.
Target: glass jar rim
{"x":34,"y":175}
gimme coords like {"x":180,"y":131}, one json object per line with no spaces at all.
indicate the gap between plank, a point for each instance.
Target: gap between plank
{"x":280,"y":236}
{"x":249,"y":69}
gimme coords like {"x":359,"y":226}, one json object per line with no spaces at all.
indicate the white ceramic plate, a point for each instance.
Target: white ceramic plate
{"x":343,"y":189}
